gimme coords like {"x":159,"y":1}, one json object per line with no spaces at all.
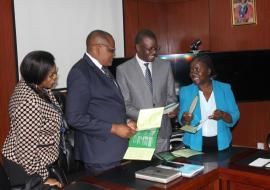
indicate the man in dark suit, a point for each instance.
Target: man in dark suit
{"x":95,"y":107}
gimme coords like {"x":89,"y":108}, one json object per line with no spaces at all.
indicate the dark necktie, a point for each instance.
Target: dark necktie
{"x":148,"y":77}
{"x":108,"y":74}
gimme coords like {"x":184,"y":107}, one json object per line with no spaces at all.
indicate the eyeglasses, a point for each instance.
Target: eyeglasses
{"x":152,"y":49}
{"x":112,"y":50}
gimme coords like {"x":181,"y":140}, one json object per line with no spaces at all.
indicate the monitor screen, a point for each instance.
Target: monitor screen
{"x":246,"y":71}
{"x":180,"y":67}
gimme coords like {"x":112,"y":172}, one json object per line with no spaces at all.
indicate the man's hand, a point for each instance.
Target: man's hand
{"x":123,"y":130}
{"x":132,"y":124}
{"x":173,"y":113}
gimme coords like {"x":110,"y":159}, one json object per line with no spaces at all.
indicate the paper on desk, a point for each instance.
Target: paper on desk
{"x":134,"y":153}
{"x":169,"y":108}
{"x":185,"y":153}
{"x":259,"y":162}
{"x":166,"y":156}
{"x":149,"y":118}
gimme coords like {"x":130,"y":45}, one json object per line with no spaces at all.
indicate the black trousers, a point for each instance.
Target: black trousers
{"x":15,"y":172}
{"x":210,"y":144}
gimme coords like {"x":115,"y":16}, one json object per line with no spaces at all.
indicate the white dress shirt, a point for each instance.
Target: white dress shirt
{"x":209,"y":127}
{"x":141,"y":63}
{"x":95,"y":61}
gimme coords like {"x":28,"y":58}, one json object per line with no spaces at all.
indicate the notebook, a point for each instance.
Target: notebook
{"x":187,"y":170}
{"x":259,"y":162}
{"x":157,"y":174}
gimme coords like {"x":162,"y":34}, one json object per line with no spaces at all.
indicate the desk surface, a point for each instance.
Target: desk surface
{"x":220,"y":165}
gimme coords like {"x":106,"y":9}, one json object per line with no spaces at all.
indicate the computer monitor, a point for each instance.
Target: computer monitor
{"x":246,"y":71}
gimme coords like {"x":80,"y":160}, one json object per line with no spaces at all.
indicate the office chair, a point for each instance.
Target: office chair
{"x":4,"y":182}
{"x":268,"y":141}
{"x":176,"y":140}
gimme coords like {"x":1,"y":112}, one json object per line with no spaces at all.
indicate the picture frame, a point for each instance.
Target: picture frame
{"x":243,"y":12}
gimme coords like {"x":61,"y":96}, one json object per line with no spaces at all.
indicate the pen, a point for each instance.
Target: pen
{"x":172,"y":164}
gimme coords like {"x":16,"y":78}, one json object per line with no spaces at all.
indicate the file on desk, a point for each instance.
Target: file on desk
{"x":187,"y":170}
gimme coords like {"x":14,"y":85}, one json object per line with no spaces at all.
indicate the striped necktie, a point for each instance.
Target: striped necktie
{"x":148,"y":77}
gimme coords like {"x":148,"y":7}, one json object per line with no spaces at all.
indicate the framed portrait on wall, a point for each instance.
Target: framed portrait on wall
{"x":243,"y":12}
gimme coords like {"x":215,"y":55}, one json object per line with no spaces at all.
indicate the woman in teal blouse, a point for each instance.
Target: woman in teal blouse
{"x":216,"y":108}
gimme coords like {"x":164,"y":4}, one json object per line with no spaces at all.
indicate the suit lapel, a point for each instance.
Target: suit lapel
{"x":102,"y":75}
{"x":140,"y":76}
{"x":155,"y":78}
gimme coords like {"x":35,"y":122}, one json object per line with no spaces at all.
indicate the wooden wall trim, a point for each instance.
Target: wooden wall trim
{"x":8,"y":69}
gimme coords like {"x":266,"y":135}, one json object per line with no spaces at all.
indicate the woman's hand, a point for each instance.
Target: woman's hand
{"x":53,"y":182}
{"x":219,"y":114}
{"x":186,"y":118}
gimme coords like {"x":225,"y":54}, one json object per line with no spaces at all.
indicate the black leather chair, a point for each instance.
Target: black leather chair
{"x":4,"y":182}
{"x":73,"y":168}
{"x":268,"y":141}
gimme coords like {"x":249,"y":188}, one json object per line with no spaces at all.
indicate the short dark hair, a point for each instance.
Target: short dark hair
{"x":94,"y":33}
{"x":36,"y":66}
{"x":206,"y":59}
{"x":144,"y":33}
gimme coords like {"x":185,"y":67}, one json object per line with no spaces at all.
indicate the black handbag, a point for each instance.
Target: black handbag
{"x":66,"y":159}
{"x":35,"y":182}
{"x":57,"y":173}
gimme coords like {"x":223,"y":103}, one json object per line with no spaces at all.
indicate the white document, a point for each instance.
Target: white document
{"x":259,"y":162}
{"x":169,"y":108}
{"x":193,"y":104}
{"x":267,"y":165}
{"x":149,"y":118}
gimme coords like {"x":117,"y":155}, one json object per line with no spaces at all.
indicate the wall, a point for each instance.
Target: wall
{"x":7,"y":63}
{"x":223,"y":36}
{"x":178,"y":22}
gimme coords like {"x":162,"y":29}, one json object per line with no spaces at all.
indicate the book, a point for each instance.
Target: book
{"x":157,"y":174}
{"x":169,"y":108}
{"x":189,"y":129}
{"x":193,"y":104}
{"x":186,"y":170}
{"x":259,"y":162}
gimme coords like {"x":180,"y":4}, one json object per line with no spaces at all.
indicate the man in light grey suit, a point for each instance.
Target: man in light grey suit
{"x":147,"y":82}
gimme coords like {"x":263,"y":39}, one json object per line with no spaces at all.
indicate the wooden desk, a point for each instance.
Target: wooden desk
{"x":227,"y":170}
